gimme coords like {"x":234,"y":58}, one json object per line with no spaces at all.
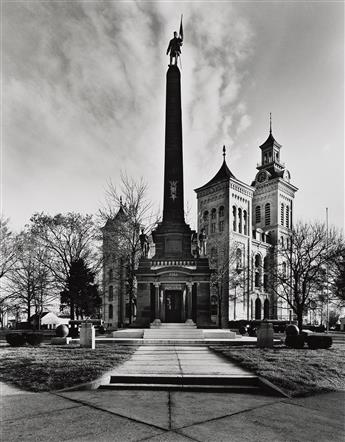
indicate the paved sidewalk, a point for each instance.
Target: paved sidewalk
{"x":107,"y":415}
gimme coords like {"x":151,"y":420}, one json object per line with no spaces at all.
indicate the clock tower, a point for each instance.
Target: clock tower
{"x":274,"y":193}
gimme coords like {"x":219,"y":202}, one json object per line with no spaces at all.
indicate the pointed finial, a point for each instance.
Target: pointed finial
{"x":120,"y":201}
{"x":224,"y":152}
{"x":270,"y":123}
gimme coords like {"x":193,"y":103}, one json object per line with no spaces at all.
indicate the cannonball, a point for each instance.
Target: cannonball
{"x":291,"y":330}
{"x":61,"y":331}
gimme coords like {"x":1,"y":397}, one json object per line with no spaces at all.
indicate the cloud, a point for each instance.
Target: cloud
{"x":84,"y":90}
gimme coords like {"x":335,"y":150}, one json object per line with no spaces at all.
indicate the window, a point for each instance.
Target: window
{"x":221,"y":211}
{"x":234,"y":217}
{"x":111,"y":293}
{"x":284,"y":270}
{"x":221,"y":226}
{"x":240,"y":220}
{"x":238,"y":259}
{"x":206,"y":229}
{"x":213,"y":214}
{"x":110,"y":275}
{"x":267,"y":214}
{"x":287,"y":217}
{"x":282,"y":241}
{"x":245,"y":223}
{"x":258,"y":214}
{"x":205,"y":216}
{"x":266,"y":309}
{"x":110,"y":311}
{"x":282,"y":214}
{"x":265,"y":282}
{"x":213,"y":227}
{"x":258,"y":308}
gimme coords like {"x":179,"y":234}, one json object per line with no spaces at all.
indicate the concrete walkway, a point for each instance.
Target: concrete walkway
{"x":179,"y":361}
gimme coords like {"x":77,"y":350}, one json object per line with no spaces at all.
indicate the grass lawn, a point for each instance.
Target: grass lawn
{"x":297,"y":372}
{"x":51,"y":367}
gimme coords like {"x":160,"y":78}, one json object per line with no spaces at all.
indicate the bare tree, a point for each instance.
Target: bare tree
{"x":7,"y":246}
{"x":130,"y":212}
{"x":66,"y":238}
{"x":300,"y":266}
{"x":30,"y":282}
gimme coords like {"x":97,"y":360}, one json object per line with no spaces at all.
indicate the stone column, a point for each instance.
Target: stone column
{"x":189,"y":302}
{"x":157,"y":305}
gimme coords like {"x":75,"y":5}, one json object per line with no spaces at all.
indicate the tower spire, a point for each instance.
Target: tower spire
{"x":270,"y":123}
{"x":224,"y":152}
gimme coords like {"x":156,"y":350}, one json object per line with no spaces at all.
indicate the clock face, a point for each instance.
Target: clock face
{"x":262,"y":177}
{"x":286,"y":175}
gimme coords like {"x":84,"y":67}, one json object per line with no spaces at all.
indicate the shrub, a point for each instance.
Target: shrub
{"x":15,"y":339}
{"x":317,"y":341}
{"x":291,"y":330}
{"x":34,"y":339}
{"x":101,"y":330}
{"x":296,"y":341}
{"x":252,"y":332}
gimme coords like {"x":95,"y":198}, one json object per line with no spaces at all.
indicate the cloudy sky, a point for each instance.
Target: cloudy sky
{"x":83,"y":90}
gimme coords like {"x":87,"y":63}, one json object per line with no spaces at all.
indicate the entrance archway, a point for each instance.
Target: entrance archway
{"x":258,"y":308}
{"x":173,"y":305}
{"x":266,"y":309}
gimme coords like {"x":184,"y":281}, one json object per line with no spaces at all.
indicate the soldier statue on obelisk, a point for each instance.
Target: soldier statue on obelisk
{"x":175,"y":44}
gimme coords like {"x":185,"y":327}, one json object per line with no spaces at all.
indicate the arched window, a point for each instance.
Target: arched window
{"x":258,"y":308}
{"x":282,"y":241}
{"x":205,"y":215}
{"x":221,"y":211}
{"x":111,"y":293}
{"x":287,"y":217}
{"x":284,"y":270}
{"x":213,"y":227}
{"x":234,"y":218}
{"x":238,"y":259}
{"x":206,"y":229}
{"x":251,"y":309}
{"x":267,"y":214}
{"x":240,"y":220}
{"x":110,"y":275}
{"x":266,"y":263}
{"x":265,"y":281}
{"x":245,"y":223}
{"x":266,"y":309}
{"x":258,"y":262}
{"x":110,"y":311}
{"x":282,"y":214}
{"x":221,"y":226}
{"x":213,"y":214}
{"x":258,"y":214}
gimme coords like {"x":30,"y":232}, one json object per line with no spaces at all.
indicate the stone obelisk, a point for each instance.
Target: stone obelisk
{"x":173,"y":236}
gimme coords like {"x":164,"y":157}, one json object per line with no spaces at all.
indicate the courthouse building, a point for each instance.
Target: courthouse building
{"x":222,"y":272}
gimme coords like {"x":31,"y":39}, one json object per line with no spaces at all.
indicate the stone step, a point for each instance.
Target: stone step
{"x":251,"y":380}
{"x":173,"y":335}
{"x":252,"y":389}
{"x":173,"y":325}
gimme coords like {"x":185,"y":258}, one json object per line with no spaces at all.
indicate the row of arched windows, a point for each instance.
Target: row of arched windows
{"x":240,"y":220}
{"x":212,"y":219}
{"x":267,"y":214}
